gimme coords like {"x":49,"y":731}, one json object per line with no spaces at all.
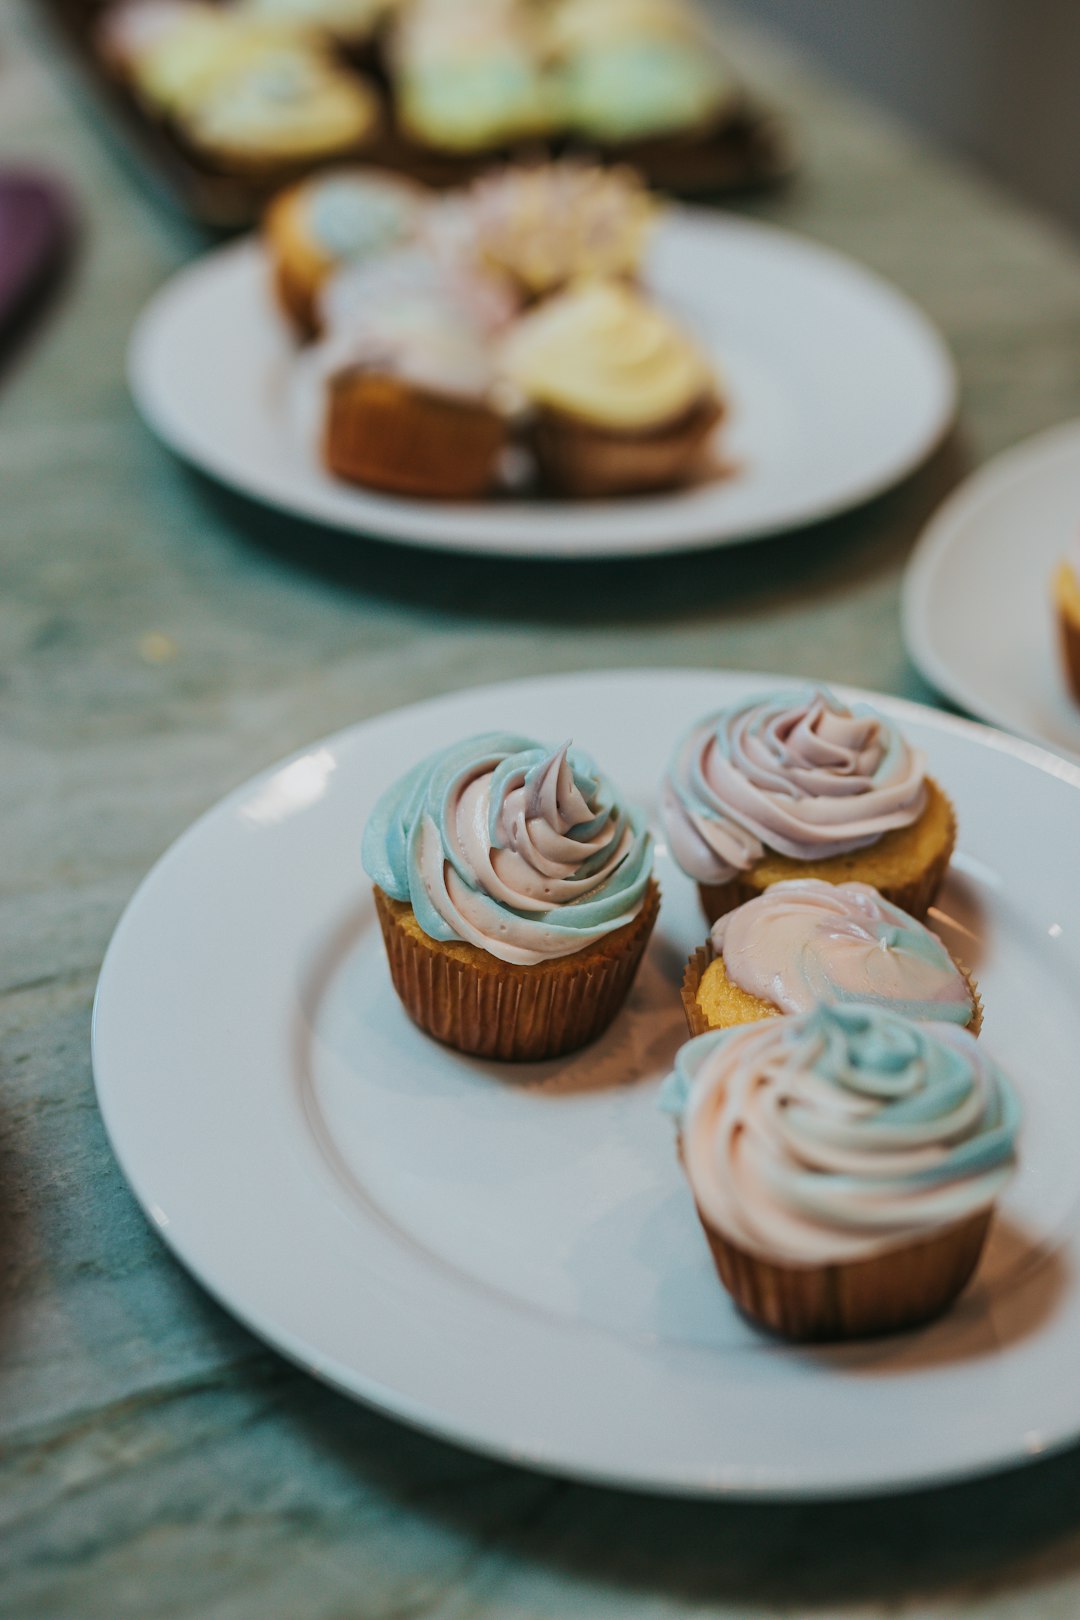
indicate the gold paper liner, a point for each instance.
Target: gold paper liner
{"x":1067,"y":608}
{"x":698,"y":1024}
{"x":915,"y":894}
{"x":471,"y":1001}
{"x":857,"y":1298}
{"x":582,"y":460}
{"x":387,"y":434}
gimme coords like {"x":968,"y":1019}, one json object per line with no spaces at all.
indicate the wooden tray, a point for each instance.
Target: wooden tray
{"x":750,"y":151}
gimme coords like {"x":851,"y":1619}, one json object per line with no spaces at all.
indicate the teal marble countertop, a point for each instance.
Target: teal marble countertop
{"x":160,"y":641}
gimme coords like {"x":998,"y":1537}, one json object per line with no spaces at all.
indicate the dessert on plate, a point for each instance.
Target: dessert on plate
{"x":515,"y":894}
{"x":344,"y":217}
{"x":409,"y":396}
{"x":799,"y":784}
{"x":545,"y":225}
{"x":806,"y":941}
{"x":845,"y":1164}
{"x":622,"y":398}
{"x":1066,"y":599}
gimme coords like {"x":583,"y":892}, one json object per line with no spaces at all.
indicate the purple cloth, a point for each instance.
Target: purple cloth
{"x":35,"y":228}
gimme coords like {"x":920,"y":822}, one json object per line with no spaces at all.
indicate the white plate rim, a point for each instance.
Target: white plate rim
{"x":983,"y":487}
{"x":740,"y":1485}
{"x":572,"y":530}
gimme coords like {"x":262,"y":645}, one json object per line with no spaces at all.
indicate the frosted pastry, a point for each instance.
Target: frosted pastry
{"x":845,"y":1164}
{"x":515,"y":893}
{"x":799,"y":784}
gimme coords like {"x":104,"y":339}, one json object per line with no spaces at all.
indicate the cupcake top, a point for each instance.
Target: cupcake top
{"x":602,"y":352}
{"x":289,"y":103}
{"x":524,"y":851}
{"x":840,"y":1133}
{"x":417,"y":319}
{"x":354,"y":214}
{"x":806,"y":941}
{"x":180,"y":54}
{"x":128,"y":32}
{"x":470,"y":77}
{"x":797,"y":772}
{"x":632,"y":69}
{"x":551,"y":223}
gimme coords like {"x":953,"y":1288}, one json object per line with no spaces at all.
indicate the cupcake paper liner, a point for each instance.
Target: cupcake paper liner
{"x":384,"y":432}
{"x":493,"y":1009}
{"x":579,"y":459}
{"x":857,"y":1298}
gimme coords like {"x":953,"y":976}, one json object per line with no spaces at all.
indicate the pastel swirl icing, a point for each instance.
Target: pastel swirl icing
{"x":842,"y":1132}
{"x":602,"y":352}
{"x":287,"y":101}
{"x":523,"y":851}
{"x":548,"y":224}
{"x":807,"y":941}
{"x":353,"y":216}
{"x":409,"y":316}
{"x":796,"y":772}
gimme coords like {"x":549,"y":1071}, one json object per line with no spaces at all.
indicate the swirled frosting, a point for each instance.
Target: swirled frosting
{"x":551,"y":223}
{"x":807,"y":941}
{"x":288,"y":101}
{"x":505,"y":844}
{"x":602,"y":352}
{"x":842,"y":1132}
{"x":796,"y":772}
{"x":411,"y":317}
{"x":353,"y":215}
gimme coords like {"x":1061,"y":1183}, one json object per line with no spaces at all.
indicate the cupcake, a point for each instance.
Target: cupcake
{"x":1066,"y":598}
{"x":515,"y":896}
{"x":173,"y":52}
{"x":622,"y":398}
{"x":800,"y":785}
{"x":470,"y":80}
{"x":806,"y":941}
{"x":546,"y":225}
{"x":636,"y":71}
{"x":346,"y":217}
{"x":845,"y":1164}
{"x":411,"y":400}
{"x":291,"y":105}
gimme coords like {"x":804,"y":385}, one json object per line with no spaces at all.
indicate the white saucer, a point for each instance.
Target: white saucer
{"x":509,"y":1257}
{"x":978,"y":619}
{"x":803,"y":337}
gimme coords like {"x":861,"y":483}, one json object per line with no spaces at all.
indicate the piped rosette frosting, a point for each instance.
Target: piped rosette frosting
{"x":841,"y":1133}
{"x":406,"y":316}
{"x":500,"y":842}
{"x":800,"y":773}
{"x":806,"y":941}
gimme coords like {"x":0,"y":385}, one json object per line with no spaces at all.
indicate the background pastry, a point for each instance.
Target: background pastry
{"x":623,"y":399}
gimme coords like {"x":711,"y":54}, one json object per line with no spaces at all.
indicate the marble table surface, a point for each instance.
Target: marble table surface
{"x":159,"y":642}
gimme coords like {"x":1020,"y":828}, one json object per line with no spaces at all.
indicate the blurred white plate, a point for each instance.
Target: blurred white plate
{"x":509,"y":1256}
{"x":978,"y":619}
{"x":803,"y":336}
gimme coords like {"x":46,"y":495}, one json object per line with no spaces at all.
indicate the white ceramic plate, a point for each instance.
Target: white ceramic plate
{"x":509,"y":1257}
{"x":803,"y":336}
{"x":978,"y":619}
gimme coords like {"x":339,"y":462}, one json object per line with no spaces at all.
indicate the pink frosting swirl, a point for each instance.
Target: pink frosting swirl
{"x":807,"y":941}
{"x":796,"y":772}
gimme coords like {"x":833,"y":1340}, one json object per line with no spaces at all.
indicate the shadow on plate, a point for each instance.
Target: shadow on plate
{"x":869,"y":539}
